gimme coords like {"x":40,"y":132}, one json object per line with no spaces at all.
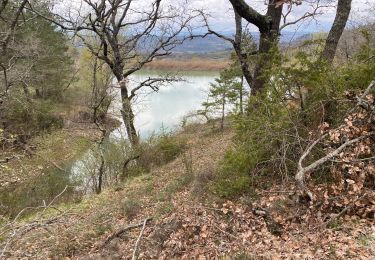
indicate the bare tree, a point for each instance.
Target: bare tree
{"x":269,"y":27}
{"x":101,"y":100}
{"x":130,"y":37}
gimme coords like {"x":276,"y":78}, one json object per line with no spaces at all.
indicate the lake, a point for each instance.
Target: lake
{"x":154,"y":111}
{"x":166,"y":108}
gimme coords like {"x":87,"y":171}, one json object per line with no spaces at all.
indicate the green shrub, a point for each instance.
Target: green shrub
{"x":33,"y":117}
{"x":161,"y":149}
{"x":131,"y":207}
{"x":169,"y":147}
{"x":270,"y":138}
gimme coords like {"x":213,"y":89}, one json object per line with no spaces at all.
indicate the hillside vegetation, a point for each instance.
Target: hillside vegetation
{"x":276,"y":162}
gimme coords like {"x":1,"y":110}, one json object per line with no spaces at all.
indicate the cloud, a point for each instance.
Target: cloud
{"x":222,"y":17}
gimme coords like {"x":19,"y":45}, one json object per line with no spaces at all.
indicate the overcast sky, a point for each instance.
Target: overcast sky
{"x":222,"y":18}
{"x":223,"y":15}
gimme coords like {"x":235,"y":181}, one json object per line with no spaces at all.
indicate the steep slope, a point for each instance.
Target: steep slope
{"x":183,"y":220}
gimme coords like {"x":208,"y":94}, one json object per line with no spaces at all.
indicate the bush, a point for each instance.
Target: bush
{"x":280,"y":122}
{"x":131,"y":207}
{"x":161,"y":149}
{"x":30,"y":118}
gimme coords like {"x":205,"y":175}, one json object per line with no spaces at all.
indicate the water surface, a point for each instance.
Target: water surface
{"x":154,"y":111}
{"x":165,"y":108}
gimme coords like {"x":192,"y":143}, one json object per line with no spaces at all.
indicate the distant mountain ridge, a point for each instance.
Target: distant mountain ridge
{"x":212,"y":43}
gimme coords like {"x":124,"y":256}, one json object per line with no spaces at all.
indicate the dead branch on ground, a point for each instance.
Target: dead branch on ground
{"x":138,"y":240}
{"x":123,"y":230}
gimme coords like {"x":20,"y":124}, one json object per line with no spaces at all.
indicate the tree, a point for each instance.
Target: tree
{"x":34,"y":56}
{"x":10,"y":14}
{"x":225,"y":91}
{"x":342,"y":15}
{"x":270,"y":26}
{"x":130,"y":36}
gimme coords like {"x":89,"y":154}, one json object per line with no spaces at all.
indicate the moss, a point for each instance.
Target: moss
{"x":366,"y":240}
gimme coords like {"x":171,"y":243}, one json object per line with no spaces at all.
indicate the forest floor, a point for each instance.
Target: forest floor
{"x":184,"y":220}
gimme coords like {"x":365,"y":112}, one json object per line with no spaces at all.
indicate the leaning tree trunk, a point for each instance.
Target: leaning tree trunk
{"x":242,"y":57}
{"x":269,"y":27}
{"x":342,"y":15}
{"x":128,"y":115}
{"x":268,"y":38}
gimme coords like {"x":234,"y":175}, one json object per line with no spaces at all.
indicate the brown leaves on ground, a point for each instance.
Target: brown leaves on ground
{"x":231,"y":229}
{"x":353,"y":186}
{"x":187,"y":227}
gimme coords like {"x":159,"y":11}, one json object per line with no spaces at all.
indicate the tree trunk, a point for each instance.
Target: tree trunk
{"x":269,"y":27}
{"x":241,"y":96}
{"x":223,"y":113}
{"x":100,"y":175}
{"x":342,"y":15}
{"x":128,"y":117}
{"x":268,"y":39}
{"x":127,"y":112}
{"x":238,"y":49}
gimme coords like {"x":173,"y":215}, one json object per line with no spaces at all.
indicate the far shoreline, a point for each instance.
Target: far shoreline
{"x":192,"y":64}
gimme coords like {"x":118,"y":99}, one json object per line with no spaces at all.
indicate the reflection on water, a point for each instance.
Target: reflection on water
{"x":167,"y":107}
{"x":153,"y":111}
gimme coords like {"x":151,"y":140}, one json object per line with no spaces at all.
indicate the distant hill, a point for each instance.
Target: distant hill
{"x":214,"y":44}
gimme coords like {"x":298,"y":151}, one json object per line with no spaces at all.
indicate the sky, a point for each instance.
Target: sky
{"x":222,"y":18}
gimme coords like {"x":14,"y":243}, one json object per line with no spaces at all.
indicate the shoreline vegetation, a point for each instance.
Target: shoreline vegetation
{"x":74,"y":138}
{"x":193,"y":64}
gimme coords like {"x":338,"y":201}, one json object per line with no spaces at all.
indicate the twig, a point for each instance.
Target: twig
{"x":303,"y":170}
{"x":15,"y":230}
{"x":138,"y":240}
{"x":8,"y":159}
{"x":342,"y":212}
{"x":122,"y":231}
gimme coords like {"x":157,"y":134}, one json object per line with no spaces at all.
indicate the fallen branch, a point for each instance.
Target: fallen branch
{"x":302,"y":171}
{"x":122,"y":231}
{"x":8,"y":159}
{"x":342,"y":212}
{"x":273,"y":226}
{"x":15,"y":230}
{"x":138,"y":240}
{"x":361,"y":100}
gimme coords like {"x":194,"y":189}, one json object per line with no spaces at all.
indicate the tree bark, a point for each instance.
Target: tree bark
{"x":222,"y":113}
{"x":342,"y":15}
{"x":241,"y":95}
{"x":101,"y":173}
{"x":128,"y":117}
{"x":269,"y":27}
{"x":127,"y":110}
{"x":268,"y":39}
{"x":238,"y":49}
